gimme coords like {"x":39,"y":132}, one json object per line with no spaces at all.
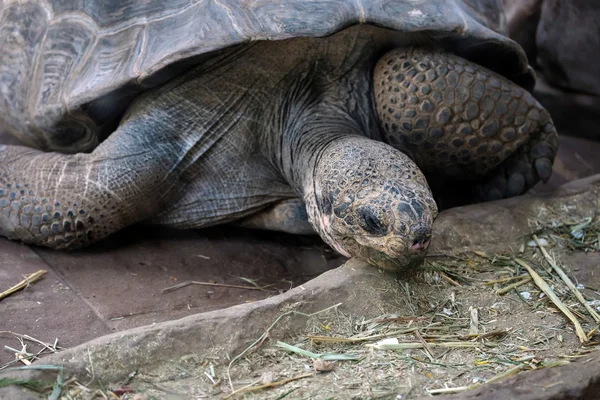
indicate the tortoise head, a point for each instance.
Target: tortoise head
{"x":370,"y":201}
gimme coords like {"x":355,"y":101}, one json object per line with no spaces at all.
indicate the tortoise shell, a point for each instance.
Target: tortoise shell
{"x":70,"y":68}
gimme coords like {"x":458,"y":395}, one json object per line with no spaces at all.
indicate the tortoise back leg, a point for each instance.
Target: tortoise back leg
{"x":286,"y":216}
{"x":463,"y":122}
{"x":71,"y":200}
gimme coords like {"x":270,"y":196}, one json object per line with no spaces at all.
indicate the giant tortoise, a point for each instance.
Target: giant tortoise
{"x":295,"y":115}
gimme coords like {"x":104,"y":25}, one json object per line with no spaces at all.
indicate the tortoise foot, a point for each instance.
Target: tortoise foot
{"x":521,"y":171}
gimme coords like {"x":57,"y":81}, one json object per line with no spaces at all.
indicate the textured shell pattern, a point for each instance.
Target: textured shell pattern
{"x":69,"y":68}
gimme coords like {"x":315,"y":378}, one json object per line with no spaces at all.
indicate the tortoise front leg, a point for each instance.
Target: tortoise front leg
{"x":67,"y":201}
{"x":463,"y":123}
{"x":286,"y":216}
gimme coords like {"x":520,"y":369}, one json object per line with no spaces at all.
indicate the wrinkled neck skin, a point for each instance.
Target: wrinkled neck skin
{"x":307,"y":148}
{"x":315,"y":110}
{"x":313,"y":116}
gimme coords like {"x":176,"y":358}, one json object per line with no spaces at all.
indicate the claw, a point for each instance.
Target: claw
{"x":543,"y":150}
{"x":543,"y":166}
{"x":516,"y":185}
{"x":500,"y":183}
{"x":494,"y":194}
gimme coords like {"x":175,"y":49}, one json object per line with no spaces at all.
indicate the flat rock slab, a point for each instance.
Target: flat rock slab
{"x":118,"y":285}
{"x":580,"y":381}
{"x":53,"y":310}
{"x":124,"y":278}
{"x":494,"y":226}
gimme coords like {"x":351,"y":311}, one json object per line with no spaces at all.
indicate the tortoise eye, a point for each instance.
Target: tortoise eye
{"x":370,"y":222}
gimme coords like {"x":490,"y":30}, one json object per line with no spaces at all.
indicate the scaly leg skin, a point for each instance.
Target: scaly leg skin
{"x":521,"y":171}
{"x":68,"y":201}
{"x":286,"y":216}
{"x":461,"y":122}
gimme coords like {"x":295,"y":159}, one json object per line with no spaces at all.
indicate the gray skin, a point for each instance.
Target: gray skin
{"x":325,"y":130}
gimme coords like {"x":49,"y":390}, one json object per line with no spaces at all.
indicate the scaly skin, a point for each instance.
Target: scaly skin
{"x":372,"y":202}
{"x":240,"y":133}
{"x":69,"y":201}
{"x":286,"y":216}
{"x":459,"y":120}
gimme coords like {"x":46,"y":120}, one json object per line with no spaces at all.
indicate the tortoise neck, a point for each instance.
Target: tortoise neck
{"x":304,"y":147}
{"x":312,"y":115}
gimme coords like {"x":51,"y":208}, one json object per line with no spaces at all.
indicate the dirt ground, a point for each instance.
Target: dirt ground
{"x":117,"y":286}
{"x":426,"y":307}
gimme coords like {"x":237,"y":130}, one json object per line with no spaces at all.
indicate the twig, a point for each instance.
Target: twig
{"x":52,"y":347}
{"x":30,"y":278}
{"x":330,"y":339}
{"x":322,"y":356}
{"x":452,"y":390}
{"x":448,"y":279}
{"x":426,"y":347}
{"x":502,"y":375}
{"x":389,"y":345}
{"x":25,"y":355}
{"x":512,"y":286}
{"x":394,"y":319}
{"x":567,"y":280}
{"x":477,"y":336}
{"x":550,"y":293}
{"x":22,"y":358}
{"x":267,"y":385}
{"x":507,"y":373}
{"x":503,"y":280}
{"x":187,"y":283}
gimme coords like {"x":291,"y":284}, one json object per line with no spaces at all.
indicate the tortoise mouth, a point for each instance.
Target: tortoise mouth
{"x":400,"y":259}
{"x":389,"y":263}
